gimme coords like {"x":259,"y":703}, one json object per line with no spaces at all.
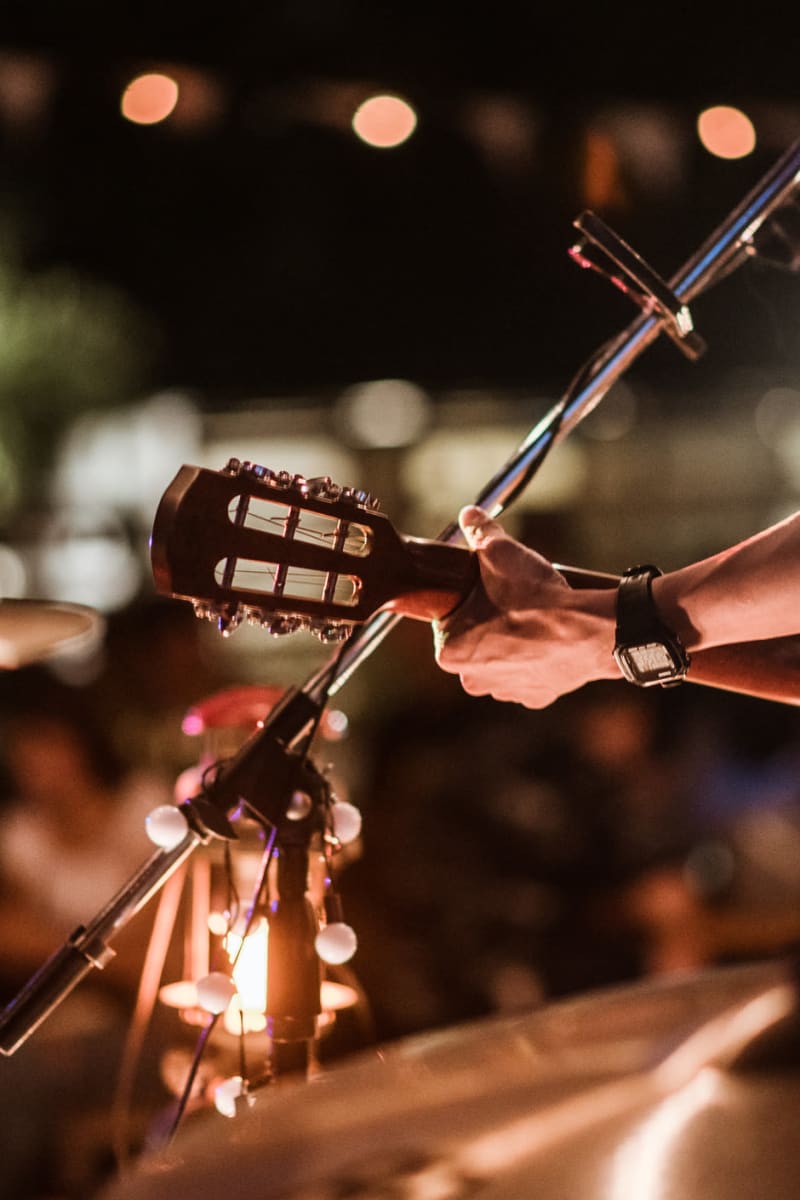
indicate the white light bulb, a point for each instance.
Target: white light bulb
{"x":227,"y":1093}
{"x":336,"y":943}
{"x":299,"y":806}
{"x":166,"y":826}
{"x":346,"y":821}
{"x":215,"y":992}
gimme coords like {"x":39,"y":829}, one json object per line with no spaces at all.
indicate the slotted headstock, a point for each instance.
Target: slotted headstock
{"x":289,"y":553}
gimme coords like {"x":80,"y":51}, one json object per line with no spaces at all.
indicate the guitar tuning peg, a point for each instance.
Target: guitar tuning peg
{"x":320,"y":485}
{"x":280,"y":626}
{"x":323,"y":487}
{"x":232,"y":466}
{"x":361,"y":498}
{"x":263,"y":474}
{"x":229,"y":618}
{"x":205,"y":612}
{"x":328,"y":632}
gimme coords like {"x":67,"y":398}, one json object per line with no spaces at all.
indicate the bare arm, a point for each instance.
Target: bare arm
{"x":527,"y":636}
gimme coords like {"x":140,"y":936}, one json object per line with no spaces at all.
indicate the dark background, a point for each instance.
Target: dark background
{"x":270,"y":252}
{"x":251,"y":253}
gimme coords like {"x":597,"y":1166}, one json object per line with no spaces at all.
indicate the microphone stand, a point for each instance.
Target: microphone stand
{"x":87,"y":947}
{"x":268,"y":768}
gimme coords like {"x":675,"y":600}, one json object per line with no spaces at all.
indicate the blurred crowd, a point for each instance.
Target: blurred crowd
{"x":507,"y":858}
{"x":513,"y":857}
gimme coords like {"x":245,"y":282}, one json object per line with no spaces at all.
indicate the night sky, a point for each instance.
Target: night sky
{"x":272,"y":252}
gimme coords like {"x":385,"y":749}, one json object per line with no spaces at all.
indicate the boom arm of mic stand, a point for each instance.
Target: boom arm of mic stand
{"x":86,"y":948}
{"x":263,"y":774}
{"x":729,"y":246}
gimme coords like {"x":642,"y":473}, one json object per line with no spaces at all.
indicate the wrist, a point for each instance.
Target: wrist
{"x":672,"y":598}
{"x":647,"y":650}
{"x":590,"y":620}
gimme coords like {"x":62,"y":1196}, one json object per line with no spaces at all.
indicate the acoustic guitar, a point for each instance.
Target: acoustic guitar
{"x":289,"y":553}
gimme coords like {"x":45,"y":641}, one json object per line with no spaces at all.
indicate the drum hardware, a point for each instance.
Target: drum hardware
{"x":273,"y":766}
{"x":665,"y":1088}
{"x":34,"y":631}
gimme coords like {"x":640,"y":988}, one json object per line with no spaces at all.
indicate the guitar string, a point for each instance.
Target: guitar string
{"x":254,"y":520}
{"x":268,"y":571}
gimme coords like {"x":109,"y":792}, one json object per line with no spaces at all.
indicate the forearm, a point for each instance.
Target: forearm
{"x":526,"y":635}
{"x":737,"y":613}
{"x":768,"y":669}
{"x":744,"y":594}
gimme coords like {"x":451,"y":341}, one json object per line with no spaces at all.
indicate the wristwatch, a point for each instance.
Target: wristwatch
{"x":645,"y":650}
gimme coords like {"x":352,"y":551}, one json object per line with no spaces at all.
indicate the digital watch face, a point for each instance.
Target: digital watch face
{"x":650,"y":662}
{"x":651,"y":659}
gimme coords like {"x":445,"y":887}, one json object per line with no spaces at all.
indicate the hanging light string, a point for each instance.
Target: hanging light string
{"x":208,"y":1029}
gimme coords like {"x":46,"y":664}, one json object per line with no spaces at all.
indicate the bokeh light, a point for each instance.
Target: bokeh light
{"x":149,"y":99}
{"x":726,"y":132}
{"x":384,"y":412}
{"x":384,"y":121}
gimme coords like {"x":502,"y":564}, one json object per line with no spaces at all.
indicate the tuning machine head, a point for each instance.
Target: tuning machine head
{"x":319,"y":487}
{"x":228,"y":618}
{"x":331,"y":631}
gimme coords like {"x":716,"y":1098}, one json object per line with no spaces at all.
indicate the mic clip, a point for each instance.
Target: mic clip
{"x":628,"y":271}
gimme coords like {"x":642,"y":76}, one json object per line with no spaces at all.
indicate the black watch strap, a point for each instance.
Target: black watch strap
{"x":646,"y":650}
{"x":637,"y":617}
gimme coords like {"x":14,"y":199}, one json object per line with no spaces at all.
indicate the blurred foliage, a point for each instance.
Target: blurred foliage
{"x":68,"y":344}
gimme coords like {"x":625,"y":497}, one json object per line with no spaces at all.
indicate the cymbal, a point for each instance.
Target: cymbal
{"x":682,"y":1087}
{"x":34,"y":630}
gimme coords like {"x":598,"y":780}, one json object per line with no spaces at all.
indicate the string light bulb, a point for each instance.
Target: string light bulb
{"x":336,"y":943}
{"x":228,"y":1092}
{"x":215,"y":992}
{"x":345,"y":821}
{"x":166,"y":826}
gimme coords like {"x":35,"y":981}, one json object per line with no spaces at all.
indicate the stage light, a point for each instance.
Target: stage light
{"x":13,"y":575}
{"x":777,"y":417}
{"x":96,"y":567}
{"x":149,"y":99}
{"x":726,"y":132}
{"x":225,"y":965}
{"x":384,"y":413}
{"x":384,"y":121}
{"x":777,"y":421}
{"x":615,"y":417}
{"x":248,"y":957}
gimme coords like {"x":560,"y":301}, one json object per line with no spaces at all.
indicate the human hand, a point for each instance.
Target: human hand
{"x":524,"y":634}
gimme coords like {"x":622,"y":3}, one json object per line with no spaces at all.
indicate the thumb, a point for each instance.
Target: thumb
{"x":478,"y":527}
{"x":510,"y":571}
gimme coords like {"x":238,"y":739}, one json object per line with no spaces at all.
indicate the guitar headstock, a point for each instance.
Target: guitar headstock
{"x":288,"y":553}
{"x":278,"y":550}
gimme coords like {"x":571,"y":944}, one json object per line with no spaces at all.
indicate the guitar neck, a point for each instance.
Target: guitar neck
{"x":441,"y":575}
{"x":289,"y":553}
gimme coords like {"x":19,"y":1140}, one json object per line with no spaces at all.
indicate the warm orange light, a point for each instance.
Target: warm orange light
{"x":149,"y":99}
{"x":250,"y":977}
{"x":384,"y":121}
{"x":602,"y":179}
{"x":726,"y":132}
{"x":247,"y":1010}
